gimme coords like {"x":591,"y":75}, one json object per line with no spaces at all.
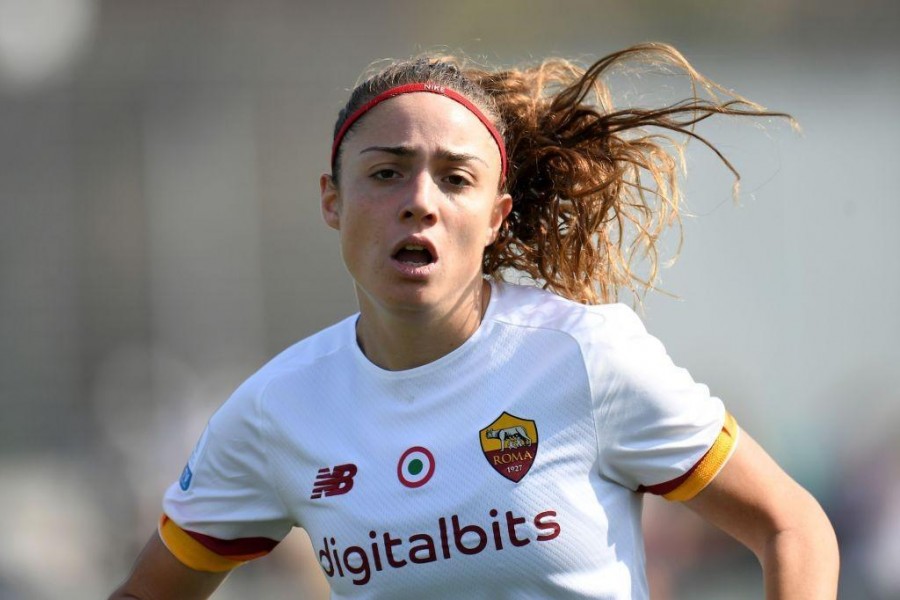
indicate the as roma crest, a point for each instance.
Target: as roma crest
{"x":510,"y":445}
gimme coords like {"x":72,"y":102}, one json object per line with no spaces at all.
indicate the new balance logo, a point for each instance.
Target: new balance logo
{"x":334,"y":482}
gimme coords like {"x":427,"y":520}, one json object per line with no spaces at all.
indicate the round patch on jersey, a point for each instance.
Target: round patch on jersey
{"x":415,"y":467}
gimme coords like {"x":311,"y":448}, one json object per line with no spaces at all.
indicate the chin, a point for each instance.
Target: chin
{"x":403,"y":297}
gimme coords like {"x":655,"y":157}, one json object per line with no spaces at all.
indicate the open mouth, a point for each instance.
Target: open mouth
{"x":414,"y":255}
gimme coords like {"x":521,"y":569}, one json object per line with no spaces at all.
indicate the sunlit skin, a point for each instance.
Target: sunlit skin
{"x":419,"y":170}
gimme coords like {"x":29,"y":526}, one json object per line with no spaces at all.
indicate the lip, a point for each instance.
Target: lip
{"x":415,"y":271}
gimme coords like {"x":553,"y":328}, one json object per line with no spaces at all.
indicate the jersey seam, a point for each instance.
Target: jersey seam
{"x":264,"y":447}
{"x":287,"y":368}
{"x":584,"y":366}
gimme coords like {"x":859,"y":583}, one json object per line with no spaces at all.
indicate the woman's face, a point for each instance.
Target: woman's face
{"x":416,"y":204}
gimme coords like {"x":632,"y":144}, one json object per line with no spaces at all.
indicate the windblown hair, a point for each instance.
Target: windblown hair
{"x":593,"y":186}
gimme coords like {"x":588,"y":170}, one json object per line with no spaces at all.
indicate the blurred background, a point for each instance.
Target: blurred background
{"x":160,"y":238}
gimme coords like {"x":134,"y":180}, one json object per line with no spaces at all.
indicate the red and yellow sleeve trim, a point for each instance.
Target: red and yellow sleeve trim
{"x":205,"y":553}
{"x":698,"y":477}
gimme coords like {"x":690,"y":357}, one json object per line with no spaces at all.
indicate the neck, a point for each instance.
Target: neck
{"x":403,"y":340}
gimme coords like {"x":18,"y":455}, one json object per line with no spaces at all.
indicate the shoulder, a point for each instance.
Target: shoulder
{"x":610,"y":339}
{"x":528,"y":306}
{"x":312,"y":349}
{"x":246,"y":403}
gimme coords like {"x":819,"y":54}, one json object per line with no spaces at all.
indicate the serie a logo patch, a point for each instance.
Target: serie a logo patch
{"x":510,"y":444}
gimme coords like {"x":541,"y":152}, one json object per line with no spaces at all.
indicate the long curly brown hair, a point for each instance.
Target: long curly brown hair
{"x":593,"y":185}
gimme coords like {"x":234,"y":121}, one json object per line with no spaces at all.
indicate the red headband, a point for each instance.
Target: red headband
{"x":421,"y":87}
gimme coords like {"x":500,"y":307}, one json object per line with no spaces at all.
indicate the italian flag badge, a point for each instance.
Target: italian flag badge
{"x":415,"y":467}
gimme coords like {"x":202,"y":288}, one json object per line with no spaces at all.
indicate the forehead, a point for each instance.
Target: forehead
{"x":427,"y":120}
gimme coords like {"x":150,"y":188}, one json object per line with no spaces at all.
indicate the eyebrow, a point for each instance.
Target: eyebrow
{"x":407,"y":151}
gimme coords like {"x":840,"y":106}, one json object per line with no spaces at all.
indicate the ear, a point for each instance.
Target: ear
{"x":502,"y":206}
{"x":331,"y":201}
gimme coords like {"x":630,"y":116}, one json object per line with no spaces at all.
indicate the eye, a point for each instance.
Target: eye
{"x":385,"y":174}
{"x":457,"y":180}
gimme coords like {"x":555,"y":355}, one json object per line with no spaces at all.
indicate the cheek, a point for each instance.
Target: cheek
{"x":484,"y":231}
{"x":360,"y":233}
{"x":476,"y":234}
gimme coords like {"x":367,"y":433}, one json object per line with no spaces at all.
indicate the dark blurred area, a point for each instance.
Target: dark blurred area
{"x":160,"y":238}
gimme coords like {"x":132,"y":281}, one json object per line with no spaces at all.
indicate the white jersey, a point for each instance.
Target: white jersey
{"x":510,"y":468}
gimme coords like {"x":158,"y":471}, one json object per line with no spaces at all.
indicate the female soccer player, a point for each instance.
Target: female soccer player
{"x":463,"y":437}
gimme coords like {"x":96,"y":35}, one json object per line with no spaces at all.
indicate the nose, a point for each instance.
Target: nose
{"x":419,"y":203}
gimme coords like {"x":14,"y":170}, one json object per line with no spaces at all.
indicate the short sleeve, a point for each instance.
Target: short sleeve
{"x":658,"y":430}
{"x":225,"y":510}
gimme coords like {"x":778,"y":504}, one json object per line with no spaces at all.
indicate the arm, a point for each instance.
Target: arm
{"x":758,"y":504}
{"x":158,"y":575}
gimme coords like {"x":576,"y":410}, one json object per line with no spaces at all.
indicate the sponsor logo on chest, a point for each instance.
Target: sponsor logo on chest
{"x":450,"y":538}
